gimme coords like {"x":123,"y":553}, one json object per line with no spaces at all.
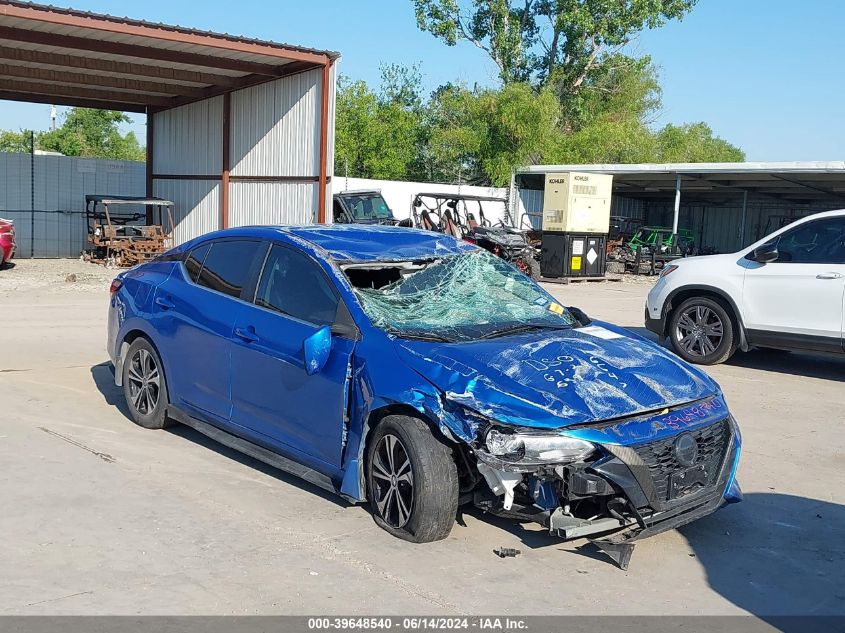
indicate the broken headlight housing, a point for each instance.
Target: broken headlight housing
{"x":529,"y":449}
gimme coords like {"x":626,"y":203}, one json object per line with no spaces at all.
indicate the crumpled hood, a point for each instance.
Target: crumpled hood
{"x":557,"y":378}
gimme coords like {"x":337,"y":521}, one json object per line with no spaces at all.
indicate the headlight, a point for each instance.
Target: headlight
{"x":528,"y":449}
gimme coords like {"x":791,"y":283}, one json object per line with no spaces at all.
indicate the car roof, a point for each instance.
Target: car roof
{"x":360,"y":242}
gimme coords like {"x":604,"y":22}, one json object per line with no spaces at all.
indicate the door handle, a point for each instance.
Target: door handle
{"x":164,"y":303}
{"x":247,"y":335}
{"x":829,"y":276}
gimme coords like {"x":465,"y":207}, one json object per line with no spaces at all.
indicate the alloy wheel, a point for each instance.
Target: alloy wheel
{"x":144,"y":382}
{"x":699,"y":331}
{"x":393,"y":481}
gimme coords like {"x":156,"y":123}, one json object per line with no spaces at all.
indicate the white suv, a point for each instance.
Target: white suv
{"x":786,"y":291}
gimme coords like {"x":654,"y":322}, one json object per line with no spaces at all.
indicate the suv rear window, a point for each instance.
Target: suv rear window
{"x":227,"y":265}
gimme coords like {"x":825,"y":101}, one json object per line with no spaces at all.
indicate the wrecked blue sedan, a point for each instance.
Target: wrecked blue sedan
{"x":420,"y":373}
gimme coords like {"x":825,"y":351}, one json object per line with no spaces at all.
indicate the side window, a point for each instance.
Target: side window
{"x":294,"y":285}
{"x":195,"y":261}
{"x":226,"y":266}
{"x":819,"y":242}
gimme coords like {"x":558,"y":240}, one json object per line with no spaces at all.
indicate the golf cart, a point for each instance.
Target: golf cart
{"x":463,"y":217}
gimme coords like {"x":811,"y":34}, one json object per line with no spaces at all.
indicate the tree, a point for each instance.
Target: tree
{"x":92,"y":133}
{"x":380,"y":135}
{"x":545,"y":41}
{"x":480,"y":136}
{"x":694,"y":143}
{"x":16,"y":142}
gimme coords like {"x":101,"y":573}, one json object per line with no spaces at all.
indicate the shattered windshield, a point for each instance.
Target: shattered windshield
{"x":461,"y":297}
{"x":368,"y":207}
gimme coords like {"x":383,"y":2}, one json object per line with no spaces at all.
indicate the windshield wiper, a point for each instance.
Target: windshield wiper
{"x":420,"y":336}
{"x":519,"y":329}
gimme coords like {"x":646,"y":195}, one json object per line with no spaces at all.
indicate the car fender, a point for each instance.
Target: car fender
{"x":381,"y":385}
{"x":134,"y":324}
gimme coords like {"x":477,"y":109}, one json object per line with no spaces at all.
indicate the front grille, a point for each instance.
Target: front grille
{"x":660,"y":458}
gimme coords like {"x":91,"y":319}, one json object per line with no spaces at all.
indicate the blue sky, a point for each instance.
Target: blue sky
{"x":765,"y":74}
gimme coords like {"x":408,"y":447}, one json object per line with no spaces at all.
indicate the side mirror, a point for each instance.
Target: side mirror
{"x":316,"y":349}
{"x":765,"y":254}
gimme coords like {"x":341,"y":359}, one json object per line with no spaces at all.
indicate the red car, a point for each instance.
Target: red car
{"x":7,"y":241}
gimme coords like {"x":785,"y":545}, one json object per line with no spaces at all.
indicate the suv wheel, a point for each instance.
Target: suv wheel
{"x":144,"y":387}
{"x":701,"y":331}
{"x":412,"y":482}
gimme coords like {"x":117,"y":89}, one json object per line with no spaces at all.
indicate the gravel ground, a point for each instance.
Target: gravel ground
{"x":60,"y":275}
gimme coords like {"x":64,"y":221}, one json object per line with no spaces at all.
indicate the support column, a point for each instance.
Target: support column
{"x":677,"y":210}
{"x":224,"y":176}
{"x":324,"y":144}
{"x":744,"y":219}
{"x":149,"y":153}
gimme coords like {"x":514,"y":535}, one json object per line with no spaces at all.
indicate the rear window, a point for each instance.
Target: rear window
{"x":227,"y":265}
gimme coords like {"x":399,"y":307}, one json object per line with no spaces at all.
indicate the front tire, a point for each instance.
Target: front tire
{"x":144,"y":386}
{"x":702,"y":332}
{"x":412,"y":482}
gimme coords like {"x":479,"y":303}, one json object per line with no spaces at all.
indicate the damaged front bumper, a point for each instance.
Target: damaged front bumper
{"x":630,"y":490}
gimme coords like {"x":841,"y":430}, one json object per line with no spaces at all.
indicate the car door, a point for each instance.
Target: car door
{"x":798,"y":298}
{"x":196,"y":312}
{"x":272,"y":394}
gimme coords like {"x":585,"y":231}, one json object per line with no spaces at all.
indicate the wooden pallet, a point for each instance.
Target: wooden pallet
{"x":569,"y":280}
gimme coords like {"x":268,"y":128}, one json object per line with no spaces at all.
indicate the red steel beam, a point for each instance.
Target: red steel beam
{"x":149,"y":164}
{"x":79,"y":102}
{"x":246,"y":81}
{"x":131,"y":69}
{"x":324,"y":145}
{"x":103,"y":81}
{"x":224,"y":180}
{"x":135,"y":50}
{"x":73,"y":92}
{"x":66,"y":17}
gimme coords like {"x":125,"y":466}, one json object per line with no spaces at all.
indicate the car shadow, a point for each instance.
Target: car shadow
{"x":775,"y":555}
{"x":823,"y":366}
{"x":103,"y":376}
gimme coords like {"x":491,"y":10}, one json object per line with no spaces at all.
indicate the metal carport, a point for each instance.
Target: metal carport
{"x":238,"y":130}
{"x":726,"y":194}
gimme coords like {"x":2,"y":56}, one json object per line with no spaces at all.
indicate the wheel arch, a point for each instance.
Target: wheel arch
{"x":126,"y":339}
{"x":370,"y":423}
{"x":679,"y":295}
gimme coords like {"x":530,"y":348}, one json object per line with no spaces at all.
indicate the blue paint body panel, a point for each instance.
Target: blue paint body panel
{"x":573,"y":381}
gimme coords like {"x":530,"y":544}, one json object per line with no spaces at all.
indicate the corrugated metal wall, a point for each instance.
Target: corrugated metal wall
{"x":60,"y":185}
{"x":274,"y":130}
{"x":189,"y":139}
{"x":718,"y":227}
{"x":721,"y":227}
{"x":196,"y":206}
{"x":274,"y":158}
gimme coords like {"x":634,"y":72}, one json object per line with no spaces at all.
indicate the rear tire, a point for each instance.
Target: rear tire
{"x":144,"y":386}
{"x":702,"y":332}
{"x":534,"y":269}
{"x":412,"y":481}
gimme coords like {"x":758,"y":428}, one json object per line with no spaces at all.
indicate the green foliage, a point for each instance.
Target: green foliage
{"x":380,"y":135}
{"x":93,"y":133}
{"x":480,"y":136}
{"x":83,"y":132}
{"x":15,"y":142}
{"x":545,"y":41}
{"x":694,"y":143}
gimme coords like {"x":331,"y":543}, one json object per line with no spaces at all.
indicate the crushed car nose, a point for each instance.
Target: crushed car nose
{"x":626,"y":494}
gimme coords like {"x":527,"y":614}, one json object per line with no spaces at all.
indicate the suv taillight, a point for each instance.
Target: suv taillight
{"x":116,"y":285}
